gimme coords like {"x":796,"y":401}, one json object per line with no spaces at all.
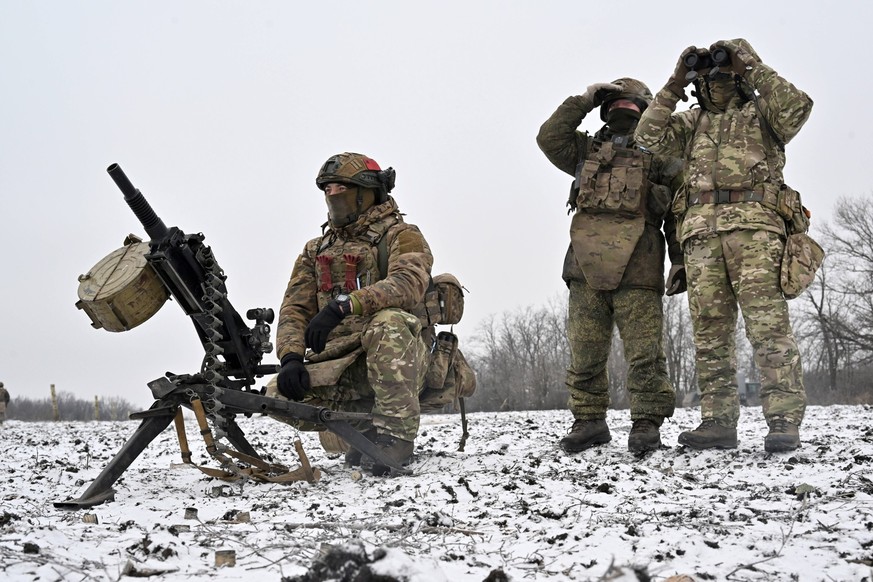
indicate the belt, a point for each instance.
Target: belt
{"x":725,"y":197}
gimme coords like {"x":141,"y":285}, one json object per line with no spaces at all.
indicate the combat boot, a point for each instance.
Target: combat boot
{"x":644,"y":436}
{"x":353,"y":455}
{"x":783,"y":436}
{"x":585,"y":434}
{"x":709,"y":435}
{"x":399,"y":450}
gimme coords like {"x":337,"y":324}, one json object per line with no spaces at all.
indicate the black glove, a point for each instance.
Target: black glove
{"x":676,"y":280}
{"x":293,"y":380}
{"x":322,"y":324}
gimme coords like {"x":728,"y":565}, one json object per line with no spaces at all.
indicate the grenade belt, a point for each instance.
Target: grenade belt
{"x":725,"y":197}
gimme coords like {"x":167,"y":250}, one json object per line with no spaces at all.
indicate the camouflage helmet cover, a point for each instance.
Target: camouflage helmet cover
{"x":631,"y":89}
{"x":358,"y":169}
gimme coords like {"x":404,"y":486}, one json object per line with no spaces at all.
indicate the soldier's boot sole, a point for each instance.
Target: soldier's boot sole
{"x":781,"y":443}
{"x":643,"y":443}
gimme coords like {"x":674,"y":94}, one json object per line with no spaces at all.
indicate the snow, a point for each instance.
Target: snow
{"x":512,"y":506}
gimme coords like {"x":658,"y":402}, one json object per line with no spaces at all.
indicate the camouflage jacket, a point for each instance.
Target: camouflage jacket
{"x":565,"y":146}
{"x":346,"y":260}
{"x":728,"y":151}
{"x":4,"y":395}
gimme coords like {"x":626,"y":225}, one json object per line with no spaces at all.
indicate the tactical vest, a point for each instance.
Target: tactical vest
{"x":613,"y":178}
{"x":610,"y":209}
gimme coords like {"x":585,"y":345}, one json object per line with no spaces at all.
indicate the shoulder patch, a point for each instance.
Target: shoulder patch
{"x":409,"y":241}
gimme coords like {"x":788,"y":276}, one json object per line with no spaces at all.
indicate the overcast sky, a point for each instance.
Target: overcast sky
{"x":223,"y":112}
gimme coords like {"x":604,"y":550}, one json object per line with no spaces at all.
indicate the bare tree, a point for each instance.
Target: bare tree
{"x":679,"y":348}
{"x":521,"y":360}
{"x":849,"y":242}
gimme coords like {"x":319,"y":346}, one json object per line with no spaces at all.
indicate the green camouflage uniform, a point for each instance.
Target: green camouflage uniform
{"x":733,"y":241}
{"x":373,"y":362}
{"x":4,"y":400}
{"x":614,"y":269}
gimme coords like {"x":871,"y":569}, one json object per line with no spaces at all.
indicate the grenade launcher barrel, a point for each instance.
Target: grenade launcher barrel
{"x":153,"y":225}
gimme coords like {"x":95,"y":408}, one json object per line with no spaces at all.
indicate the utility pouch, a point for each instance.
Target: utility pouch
{"x":800,"y":261}
{"x":791,"y":209}
{"x":443,"y":302}
{"x":451,"y":298}
{"x":440,"y":360}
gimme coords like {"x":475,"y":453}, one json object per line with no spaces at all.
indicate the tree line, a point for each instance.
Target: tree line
{"x":520,"y":358}
{"x":68,"y":408}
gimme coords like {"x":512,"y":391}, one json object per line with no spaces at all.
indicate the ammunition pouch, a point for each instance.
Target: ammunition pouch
{"x":614,"y":180}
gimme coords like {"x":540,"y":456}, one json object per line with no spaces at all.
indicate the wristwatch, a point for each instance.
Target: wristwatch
{"x":344,"y":302}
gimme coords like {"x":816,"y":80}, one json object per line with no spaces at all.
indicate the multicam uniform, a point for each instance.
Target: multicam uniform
{"x":733,"y":236}
{"x":381,"y":356}
{"x":614,"y":266}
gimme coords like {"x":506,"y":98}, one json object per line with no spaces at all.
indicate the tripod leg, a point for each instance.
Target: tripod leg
{"x":101,"y":489}
{"x":237,"y":438}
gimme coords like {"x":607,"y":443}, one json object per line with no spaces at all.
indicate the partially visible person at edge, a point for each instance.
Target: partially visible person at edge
{"x":614,"y":266}
{"x":731,"y":233}
{"x":340,"y":306}
{"x":4,"y":400}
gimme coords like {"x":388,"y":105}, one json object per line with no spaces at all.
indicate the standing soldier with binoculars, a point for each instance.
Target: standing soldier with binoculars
{"x":731,"y":206}
{"x":614,"y":267}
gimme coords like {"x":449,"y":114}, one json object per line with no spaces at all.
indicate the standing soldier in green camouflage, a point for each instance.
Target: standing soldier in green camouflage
{"x":349,"y":301}
{"x":614,"y":266}
{"x":4,"y":400}
{"x":731,"y":209}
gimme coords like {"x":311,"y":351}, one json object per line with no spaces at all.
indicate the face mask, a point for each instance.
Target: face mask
{"x":345,"y":208}
{"x":722,"y":92}
{"x":622,"y":120}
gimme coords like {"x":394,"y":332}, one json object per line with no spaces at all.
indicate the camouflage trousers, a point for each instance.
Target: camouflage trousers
{"x":728,"y":272}
{"x":385,"y":380}
{"x":638,"y":314}
{"x":2,"y":411}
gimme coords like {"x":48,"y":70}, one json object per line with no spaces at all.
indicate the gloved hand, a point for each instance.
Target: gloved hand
{"x":741,"y":59}
{"x":680,"y":77}
{"x":321,"y":325}
{"x":293,"y":379}
{"x":677,"y":282}
{"x":595,"y":94}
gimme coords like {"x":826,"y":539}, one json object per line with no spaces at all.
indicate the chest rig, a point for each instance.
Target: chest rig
{"x":346,"y":263}
{"x":613,"y":177}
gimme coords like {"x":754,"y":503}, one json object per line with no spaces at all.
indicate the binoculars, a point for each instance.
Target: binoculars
{"x":703,"y":61}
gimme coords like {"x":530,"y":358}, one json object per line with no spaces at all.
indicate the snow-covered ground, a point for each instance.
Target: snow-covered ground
{"x":513,"y":506}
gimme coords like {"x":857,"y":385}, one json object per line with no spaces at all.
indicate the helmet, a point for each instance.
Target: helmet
{"x":358,"y":169}
{"x":631,"y":89}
